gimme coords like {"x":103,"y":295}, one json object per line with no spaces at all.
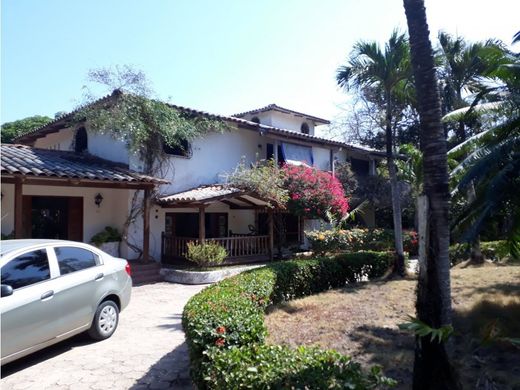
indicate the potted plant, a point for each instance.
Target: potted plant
{"x":107,"y":240}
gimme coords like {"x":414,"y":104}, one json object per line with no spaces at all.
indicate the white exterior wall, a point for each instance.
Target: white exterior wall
{"x":61,"y":140}
{"x":213,"y":156}
{"x":100,"y":145}
{"x":290,"y":122}
{"x":282,"y":121}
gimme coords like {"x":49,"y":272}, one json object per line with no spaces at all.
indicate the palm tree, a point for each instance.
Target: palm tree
{"x":381,"y":76}
{"x":462,"y":66}
{"x":493,"y":157}
{"x":432,"y":367}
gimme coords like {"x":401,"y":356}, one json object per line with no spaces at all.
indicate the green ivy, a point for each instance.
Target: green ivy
{"x":145,"y":123}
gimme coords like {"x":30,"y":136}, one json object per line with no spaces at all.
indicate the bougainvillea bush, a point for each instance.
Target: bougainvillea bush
{"x":313,"y":192}
{"x":353,"y":240}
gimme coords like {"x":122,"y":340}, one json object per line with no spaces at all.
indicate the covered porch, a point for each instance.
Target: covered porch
{"x":54,"y":194}
{"x":238,"y":220}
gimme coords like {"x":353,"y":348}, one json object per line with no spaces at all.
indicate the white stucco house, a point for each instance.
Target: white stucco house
{"x":82,"y":181}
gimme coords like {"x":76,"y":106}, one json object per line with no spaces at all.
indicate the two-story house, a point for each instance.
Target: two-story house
{"x":194,"y":203}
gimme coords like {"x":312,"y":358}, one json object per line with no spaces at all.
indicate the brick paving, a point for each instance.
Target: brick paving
{"x":147,"y":351}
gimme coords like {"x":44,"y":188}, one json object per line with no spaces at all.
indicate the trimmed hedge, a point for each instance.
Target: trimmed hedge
{"x":354,"y":240}
{"x":225,"y":328}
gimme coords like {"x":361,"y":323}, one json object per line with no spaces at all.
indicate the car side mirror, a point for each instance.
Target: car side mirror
{"x":6,"y":290}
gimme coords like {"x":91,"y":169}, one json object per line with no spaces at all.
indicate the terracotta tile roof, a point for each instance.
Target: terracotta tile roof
{"x":213,"y":193}
{"x":202,"y":193}
{"x":27,"y":161}
{"x":58,"y":123}
{"x":275,"y":107}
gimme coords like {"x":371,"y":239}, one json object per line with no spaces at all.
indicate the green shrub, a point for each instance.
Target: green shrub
{"x":207,"y":253}
{"x":492,"y":250}
{"x":225,"y":329}
{"x":277,"y":367}
{"x":109,"y":234}
{"x":353,"y":240}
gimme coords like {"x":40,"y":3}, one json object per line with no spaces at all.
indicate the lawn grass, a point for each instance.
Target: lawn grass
{"x":361,"y":321}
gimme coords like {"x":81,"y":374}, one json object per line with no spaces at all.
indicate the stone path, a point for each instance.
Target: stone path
{"x":147,"y":351}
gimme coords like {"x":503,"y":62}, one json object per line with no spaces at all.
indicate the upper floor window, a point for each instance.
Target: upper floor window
{"x":182,"y":149}
{"x":305,"y":128}
{"x":81,"y":140}
{"x":255,"y":119}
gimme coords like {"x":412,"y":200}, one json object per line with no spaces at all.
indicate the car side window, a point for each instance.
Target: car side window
{"x":26,"y":269}
{"x":71,"y":259}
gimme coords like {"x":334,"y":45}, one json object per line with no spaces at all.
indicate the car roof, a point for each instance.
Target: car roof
{"x":7,"y":246}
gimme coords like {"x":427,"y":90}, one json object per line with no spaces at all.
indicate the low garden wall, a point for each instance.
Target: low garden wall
{"x":225,"y":329}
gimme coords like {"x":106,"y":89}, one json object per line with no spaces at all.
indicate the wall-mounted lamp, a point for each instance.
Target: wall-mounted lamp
{"x":98,"y":199}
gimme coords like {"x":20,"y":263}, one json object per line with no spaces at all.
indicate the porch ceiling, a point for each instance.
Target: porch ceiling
{"x":234,"y":197}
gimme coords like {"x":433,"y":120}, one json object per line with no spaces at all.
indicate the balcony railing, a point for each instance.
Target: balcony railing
{"x":242,"y":247}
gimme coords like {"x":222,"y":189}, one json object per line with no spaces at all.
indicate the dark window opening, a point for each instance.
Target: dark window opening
{"x":72,"y":259}
{"x":182,"y":149}
{"x":281,"y":158}
{"x":81,"y":140}
{"x":305,"y":128}
{"x":26,"y":269}
{"x":255,"y":119}
{"x":360,"y":167}
{"x":269,"y":152}
{"x":187,"y":224}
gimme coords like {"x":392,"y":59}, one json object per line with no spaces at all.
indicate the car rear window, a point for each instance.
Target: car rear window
{"x":71,"y":259}
{"x":24,"y":270}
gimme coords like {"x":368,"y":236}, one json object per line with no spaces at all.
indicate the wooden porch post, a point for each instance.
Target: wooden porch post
{"x":18,"y":208}
{"x":146,"y":225}
{"x":202,"y":224}
{"x":271,"y":234}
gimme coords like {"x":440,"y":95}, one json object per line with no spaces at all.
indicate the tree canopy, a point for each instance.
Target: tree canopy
{"x":11,"y":130}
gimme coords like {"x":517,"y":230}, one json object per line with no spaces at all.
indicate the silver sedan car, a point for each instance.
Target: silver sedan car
{"x":52,"y":290}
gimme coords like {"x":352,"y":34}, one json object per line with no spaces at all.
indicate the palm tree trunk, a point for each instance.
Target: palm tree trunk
{"x":432,"y":367}
{"x":399,"y":268}
{"x":476,"y":257}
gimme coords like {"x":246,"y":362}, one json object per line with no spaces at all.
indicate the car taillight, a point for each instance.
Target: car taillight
{"x":128,"y":269}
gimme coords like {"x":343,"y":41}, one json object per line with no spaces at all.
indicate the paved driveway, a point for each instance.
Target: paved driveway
{"x":146,"y":352}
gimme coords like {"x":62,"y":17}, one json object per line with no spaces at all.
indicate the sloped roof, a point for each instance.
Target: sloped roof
{"x":213,"y":193}
{"x":61,"y":122}
{"x":275,"y":107}
{"x":23,"y":160}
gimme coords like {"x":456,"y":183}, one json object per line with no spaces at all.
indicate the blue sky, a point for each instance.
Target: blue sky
{"x":223,"y":56}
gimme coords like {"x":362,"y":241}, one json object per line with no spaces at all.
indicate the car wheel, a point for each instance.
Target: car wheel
{"x":105,"y":321}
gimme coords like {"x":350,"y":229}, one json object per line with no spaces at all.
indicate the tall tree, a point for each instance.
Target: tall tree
{"x":463,"y":64}
{"x":432,"y":368}
{"x":11,"y":130}
{"x":382,"y":76}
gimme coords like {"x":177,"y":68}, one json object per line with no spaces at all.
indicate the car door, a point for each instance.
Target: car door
{"x":81,"y":272}
{"x":29,"y":313}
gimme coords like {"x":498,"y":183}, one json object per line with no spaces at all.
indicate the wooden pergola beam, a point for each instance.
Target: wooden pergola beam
{"x":146,"y":225}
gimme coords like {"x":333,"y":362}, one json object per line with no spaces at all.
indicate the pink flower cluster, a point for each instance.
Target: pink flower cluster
{"x":312,"y":192}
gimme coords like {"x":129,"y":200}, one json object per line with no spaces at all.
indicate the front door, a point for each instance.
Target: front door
{"x":55,"y":217}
